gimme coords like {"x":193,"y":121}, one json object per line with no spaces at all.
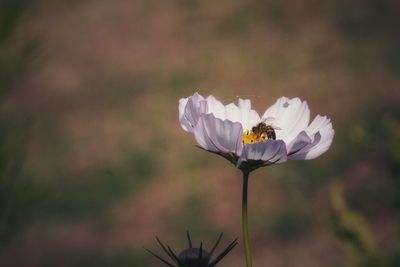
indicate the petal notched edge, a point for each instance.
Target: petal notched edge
{"x":291,"y":115}
{"x":244,"y":103}
{"x":192,"y":107}
{"x":216,"y":107}
{"x":322,"y":134}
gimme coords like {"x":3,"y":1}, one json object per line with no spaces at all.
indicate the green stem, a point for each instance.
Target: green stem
{"x":245,"y":223}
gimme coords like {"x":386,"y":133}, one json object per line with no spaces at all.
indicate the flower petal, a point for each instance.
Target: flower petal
{"x":215,"y":107}
{"x":290,"y":115}
{"x":270,"y":151}
{"x":233,"y":113}
{"x":322,"y":134}
{"x":249,"y":118}
{"x":218,"y":135}
{"x":189,"y":111}
{"x":301,"y":140}
{"x":244,"y":103}
{"x":242,"y":113}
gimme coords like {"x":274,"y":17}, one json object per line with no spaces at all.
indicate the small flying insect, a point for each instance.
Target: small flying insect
{"x":265,"y":130}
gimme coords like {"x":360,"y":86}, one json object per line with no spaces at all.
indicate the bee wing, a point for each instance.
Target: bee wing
{"x":268,"y":119}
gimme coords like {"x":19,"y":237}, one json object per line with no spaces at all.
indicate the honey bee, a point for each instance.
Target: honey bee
{"x":264,"y":130}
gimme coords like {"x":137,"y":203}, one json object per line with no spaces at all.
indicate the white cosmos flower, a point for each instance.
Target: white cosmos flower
{"x":233,"y":132}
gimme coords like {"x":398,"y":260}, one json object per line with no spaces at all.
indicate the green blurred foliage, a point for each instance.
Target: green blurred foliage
{"x":10,"y":12}
{"x":352,"y":229}
{"x":291,"y":224}
{"x":82,"y":197}
{"x":375,"y":142}
{"x":13,"y":62}
{"x":250,"y":13}
{"x":182,"y":79}
{"x":365,"y":19}
{"x":13,"y":56}
{"x":371,"y":20}
{"x":349,"y":226}
{"x":193,"y":217}
{"x":19,"y":194}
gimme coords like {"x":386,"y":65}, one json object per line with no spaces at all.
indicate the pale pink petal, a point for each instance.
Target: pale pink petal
{"x":219,"y":135}
{"x":290,"y":115}
{"x":215,"y":107}
{"x":233,"y":113}
{"x":301,"y":140}
{"x":189,"y":111}
{"x":249,"y":118}
{"x":318,"y":123}
{"x":271,"y":151}
{"x":244,"y":103}
{"x":322,"y":132}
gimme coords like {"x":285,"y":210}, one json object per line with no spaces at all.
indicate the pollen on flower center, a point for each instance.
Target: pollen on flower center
{"x":250,"y":137}
{"x":259,"y":133}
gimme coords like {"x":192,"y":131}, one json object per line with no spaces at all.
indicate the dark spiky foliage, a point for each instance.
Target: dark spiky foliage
{"x":193,"y":257}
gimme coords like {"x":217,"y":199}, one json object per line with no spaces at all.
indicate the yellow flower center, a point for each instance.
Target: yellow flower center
{"x":250,"y":137}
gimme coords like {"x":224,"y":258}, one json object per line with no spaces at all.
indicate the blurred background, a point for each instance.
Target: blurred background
{"x":94,"y":163}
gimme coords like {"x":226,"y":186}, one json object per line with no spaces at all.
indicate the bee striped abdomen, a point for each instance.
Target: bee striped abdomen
{"x":270,"y":133}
